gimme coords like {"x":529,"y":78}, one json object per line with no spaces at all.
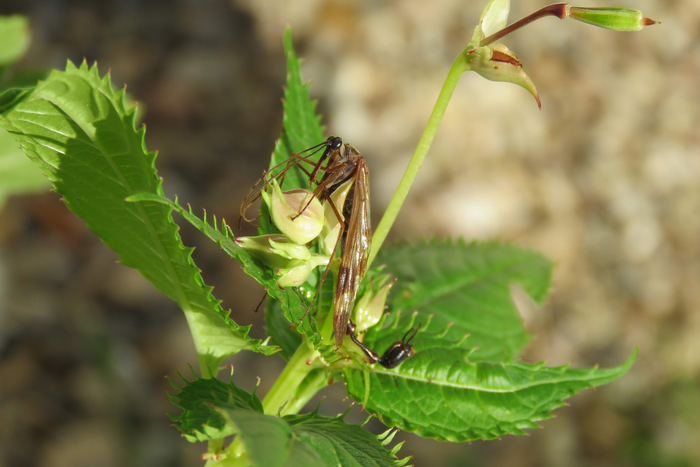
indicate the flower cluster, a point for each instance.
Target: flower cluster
{"x":299,"y":216}
{"x":302,"y":218}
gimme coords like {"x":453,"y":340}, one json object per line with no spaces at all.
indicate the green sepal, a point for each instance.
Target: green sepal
{"x":613,"y":18}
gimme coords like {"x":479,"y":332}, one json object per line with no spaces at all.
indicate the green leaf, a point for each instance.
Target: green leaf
{"x":466,"y":285}
{"x":213,"y":410}
{"x":301,"y":126}
{"x":291,"y":299}
{"x":14,"y":38}
{"x":301,"y":129}
{"x":199,"y":399}
{"x":339,"y":443}
{"x":78,"y":130}
{"x":18,"y":174}
{"x":267,"y":439}
{"x":11,"y":97}
{"x":278,"y":328}
{"x":438,"y":393}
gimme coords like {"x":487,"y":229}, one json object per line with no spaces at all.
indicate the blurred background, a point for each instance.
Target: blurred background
{"x":603,"y":180}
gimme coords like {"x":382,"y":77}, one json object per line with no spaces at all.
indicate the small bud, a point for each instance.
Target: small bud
{"x":370,"y":307}
{"x":617,"y":19}
{"x":284,"y":247}
{"x":292,"y":262}
{"x":285,"y":212}
{"x":497,"y":63}
{"x":494,"y":17}
{"x":275,"y":257}
{"x":295,"y":274}
{"x":297,"y":271}
{"x":331,"y":226}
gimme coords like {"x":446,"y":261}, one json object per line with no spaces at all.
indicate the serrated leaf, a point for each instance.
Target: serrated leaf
{"x":301,"y":126}
{"x":466,"y":285}
{"x":78,"y":130}
{"x":301,"y":129}
{"x":213,"y":410}
{"x":199,"y":399}
{"x":278,"y":328}
{"x":439,"y":394}
{"x":267,"y":439}
{"x":14,"y":38}
{"x":291,"y":300}
{"x":339,"y":443}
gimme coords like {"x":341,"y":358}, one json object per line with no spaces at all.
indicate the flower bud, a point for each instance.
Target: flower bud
{"x":284,"y":247}
{"x":274,"y":250}
{"x":617,"y":19}
{"x":331,"y":226}
{"x":369,"y":308}
{"x":293,"y":263}
{"x":285,"y":208}
{"x":494,"y":17}
{"x":295,"y":274}
{"x":497,"y":63}
{"x":297,"y":271}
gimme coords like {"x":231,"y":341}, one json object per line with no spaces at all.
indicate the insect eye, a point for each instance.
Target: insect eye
{"x":336,"y":143}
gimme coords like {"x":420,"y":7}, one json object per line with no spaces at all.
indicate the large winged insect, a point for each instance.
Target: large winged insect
{"x":340,"y":163}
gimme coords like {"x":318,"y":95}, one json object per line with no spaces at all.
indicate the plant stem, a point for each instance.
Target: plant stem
{"x":308,"y":389}
{"x":560,"y":10}
{"x":459,"y":66}
{"x":298,"y":367}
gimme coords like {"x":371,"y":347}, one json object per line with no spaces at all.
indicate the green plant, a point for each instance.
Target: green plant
{"x":463,"y":384}
{"x":18,"y":175}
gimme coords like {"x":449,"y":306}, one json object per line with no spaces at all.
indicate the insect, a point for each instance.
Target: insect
{"x":394,"y":355}
{"x":343,"y":163}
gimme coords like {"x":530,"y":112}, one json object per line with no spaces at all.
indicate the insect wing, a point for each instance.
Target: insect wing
{"x":353,"y":262}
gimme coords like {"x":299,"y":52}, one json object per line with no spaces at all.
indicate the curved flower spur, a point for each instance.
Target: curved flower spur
{"x":344,"y":187}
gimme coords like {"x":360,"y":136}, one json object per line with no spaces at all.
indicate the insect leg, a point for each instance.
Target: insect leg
{"x":333,"y":253}
{"x":261,"y":301}
{"x":371,"y":354}
{"x":254,"y":193}
{"x":317,"y":192}
{"x":298,"y":159}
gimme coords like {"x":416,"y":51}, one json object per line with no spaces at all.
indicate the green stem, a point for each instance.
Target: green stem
{"x":298,"y":367}
{"x":311,"y":385}
{"x":560,"y":10}
{"x":459,"y":66}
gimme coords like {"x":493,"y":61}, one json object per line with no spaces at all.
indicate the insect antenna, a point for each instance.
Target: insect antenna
{"x":415,"y":331}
